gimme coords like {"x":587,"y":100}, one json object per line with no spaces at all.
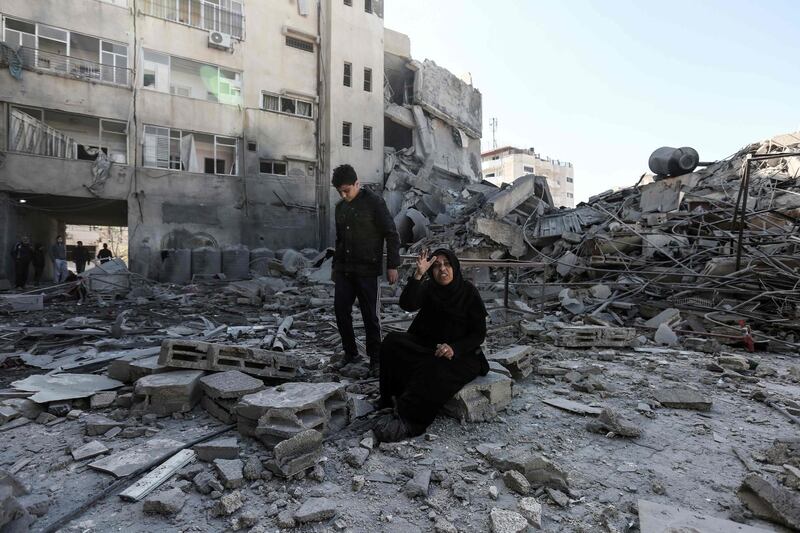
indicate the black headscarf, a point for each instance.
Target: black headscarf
{"x":459,"y":298}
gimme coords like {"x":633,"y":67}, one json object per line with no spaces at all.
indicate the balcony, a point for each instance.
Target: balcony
{"x":74,"y":67}
{"x":224,"y":16}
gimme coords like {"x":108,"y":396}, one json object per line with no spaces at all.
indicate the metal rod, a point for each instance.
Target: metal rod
{"x":743,"y":193}
{"x":505,"y":289}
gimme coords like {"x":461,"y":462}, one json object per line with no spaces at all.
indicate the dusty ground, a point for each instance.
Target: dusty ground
{"x":683,"y":457}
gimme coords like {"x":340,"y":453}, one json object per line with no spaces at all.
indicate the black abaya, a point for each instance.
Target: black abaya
{"x":409,"y":371}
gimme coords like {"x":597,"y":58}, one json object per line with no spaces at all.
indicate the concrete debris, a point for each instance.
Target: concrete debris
{"x":503,"y":521}
{"x":538,"y":470}
{"x":169,"y":392}
{"x":128,"y":461}
{"x":315,"y":510}
{"x":660,"y":518}
{"x":296,"y":454}
{"x":770,"y":502}
{"x":222,"y":448}
{"x":55,"y":387}
{"x":481,"y":399}
{"x":516,"y":482}
{"x":418,"y":485}
{"x":89,"y":450}
{"x":531,"y":509}
{"x":683,"y":398}
{"x":517,"y":359}
{"x":611,"y":422}
{"x":573,"y":406}
{"x":219,"y":357}
{"x":228,"y":504}
{"x":230,"y":471}
{"x":167,"y":502}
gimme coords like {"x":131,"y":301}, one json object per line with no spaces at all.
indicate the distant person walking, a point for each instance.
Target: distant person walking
{"x":105,"y":254}
{"x":22,"y":254}
{"x":58,"y":253}
{"x":81,"y":256}
{"x":38,"y":263}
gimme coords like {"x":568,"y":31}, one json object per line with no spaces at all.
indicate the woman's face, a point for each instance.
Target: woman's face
{"x":442,"y":271}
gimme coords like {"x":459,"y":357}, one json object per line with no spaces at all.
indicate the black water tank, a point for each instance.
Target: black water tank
{"x":668,"y":161}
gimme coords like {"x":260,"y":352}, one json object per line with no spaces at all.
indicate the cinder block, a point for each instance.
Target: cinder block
{"x":296,"y":454}
{"x":219,"y":357}
{"x":594,"y":336}
{"x":481,"y":399}
{"x":217,"y":410}
{"x":517,"y":359}
{"x":278,"y":413}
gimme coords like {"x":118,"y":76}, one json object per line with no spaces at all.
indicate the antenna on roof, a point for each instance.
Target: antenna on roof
{"x":494,"y":133}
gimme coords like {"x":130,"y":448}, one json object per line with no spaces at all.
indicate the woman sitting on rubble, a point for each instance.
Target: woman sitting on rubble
{"x":422,"y":369}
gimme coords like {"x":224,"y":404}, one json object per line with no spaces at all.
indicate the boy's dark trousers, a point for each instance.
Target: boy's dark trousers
{"x":350,"y":286}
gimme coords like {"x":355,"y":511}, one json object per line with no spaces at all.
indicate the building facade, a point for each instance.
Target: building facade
{"x":190,"y":122}
{"x":504,"y":165}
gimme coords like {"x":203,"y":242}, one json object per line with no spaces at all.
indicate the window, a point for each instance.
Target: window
{"x":569,"y":180}
{"x":62,"y":51}
{"x":489,"y":175}
{"x":368,"y":79}
{"x":300,"y":44}
{"x":277,"y":168}
{"x":191,"y":79}
{"x":251,"y":146}
{"x":367,"y":138}
{"x":527,"y":169}
{"x":188,"y":151}
{"x":66,"y":135}
{"x":218,"y":15}
{"x":348,"y":2}
{"x":569,"y":195}
{"x":495,"y":157}
{"x":348,"y":75}
{"x":368,"y":6}
{"x":347,"y":129}
{"x":288,"y":105}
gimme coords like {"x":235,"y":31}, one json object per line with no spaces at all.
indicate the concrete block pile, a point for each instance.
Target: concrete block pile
{"x":220,"y":357}
{"x":221,"y":392}
{"x":169,"y":392}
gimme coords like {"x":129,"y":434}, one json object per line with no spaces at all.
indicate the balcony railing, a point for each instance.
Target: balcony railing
{"x":84,"y":69}
{"x":197,"y":13}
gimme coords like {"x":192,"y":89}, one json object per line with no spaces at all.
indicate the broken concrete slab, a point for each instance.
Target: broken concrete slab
{"x":683,"y":398}
{"x":230,"y":384}
{"x":531,"y":509}
{"x":593,"y":336}
{"x":222,"y":410}
{"x":24,"y":406}
{"x":89,"y":450}
{"x":101,"y":400}
{"x":481,"y":399}
{"x":665,"y":336}
{"x":8,"y":413}
{"x":516,"y":482}
{"x":22,"y":302}
{"x":517,"y":359}
{"x":770,"y":502}
{"x":670,"y":317}
{"x":130,"y":460}
{"x":315,"y":510}
{"x":659,"y":518}
{"x":228,"y":504}
{"x":99,"y":425}
{"x":296,"y":454}
{"x":55,"y":387}
{"x":509,"y":235}
{"x":278,"y":413}
{"x":356,"y":457}
{"x":222,"y":448}
{"x":611,"y":422}
{"x":573,"y":407}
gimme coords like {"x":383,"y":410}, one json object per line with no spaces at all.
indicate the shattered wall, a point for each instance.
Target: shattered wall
{"x":442,"y":94}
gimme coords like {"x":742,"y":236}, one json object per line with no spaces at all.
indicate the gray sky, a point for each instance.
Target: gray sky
{"x":602,"y":84}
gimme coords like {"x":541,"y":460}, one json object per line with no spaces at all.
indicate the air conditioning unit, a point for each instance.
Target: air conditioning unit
{"x":217,"y":39}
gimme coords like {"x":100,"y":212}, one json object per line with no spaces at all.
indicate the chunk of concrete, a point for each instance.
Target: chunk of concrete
{"x":8,"y":413}
{"x":57,"y":387}
{"x":356,"y":457}
{"x":481,"y":399}
{"x":170,"y":392}
{"x":101,"y":400}
{"x":167,"y":502}
{"x":228,"y":504}
{"x":503,"y":521}
{"x":230,"y":384}
{"x":508,"y":199}
{"x":315,"y":510}
{"x":538,"y":470}
{"x":26,"y":408}
{"x":509,"y":235}
{"x":23,"y":302}
{"x":222,"y":448}
{"x":770,"y":502}
{"x":683,"y":398}
{"x":231,"y":472}
{"x":99,"y":425}
{"x":573,"y":407}
{"x":296,"y":454}
{"x":531,"y":509}
{"x":671,"y":317}
{"x":253,"y":469}
{"x":516,"y":482}
{"x":665,"y":336}
{"x":418,"y":485}
{"x":612,"y":422}
{"x":89,"y":450}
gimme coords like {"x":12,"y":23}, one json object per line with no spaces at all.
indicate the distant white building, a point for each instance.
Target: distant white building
{"x":504,"y":165}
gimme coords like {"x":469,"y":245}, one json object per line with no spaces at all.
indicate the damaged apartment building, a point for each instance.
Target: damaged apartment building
{"x":193,"y":123}
{"x":504,"y":165}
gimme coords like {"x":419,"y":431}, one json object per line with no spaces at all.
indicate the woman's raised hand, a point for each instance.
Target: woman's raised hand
{"x":423,"y":264}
